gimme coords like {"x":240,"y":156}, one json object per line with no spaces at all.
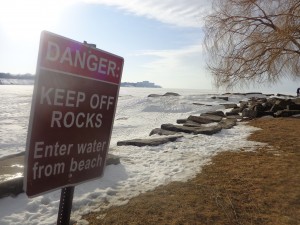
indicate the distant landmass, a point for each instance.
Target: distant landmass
{"x":23,"y":79}
{"x":15,"y":79}
{"x":145,"y":84}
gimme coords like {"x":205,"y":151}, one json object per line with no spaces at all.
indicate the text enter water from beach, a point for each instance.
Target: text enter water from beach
{"x":45,"y":151}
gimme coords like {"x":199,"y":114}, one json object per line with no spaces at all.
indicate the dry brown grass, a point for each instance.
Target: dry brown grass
{"x":261,"y":187}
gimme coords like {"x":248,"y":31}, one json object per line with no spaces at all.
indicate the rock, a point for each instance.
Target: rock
{"x":220,"y":97}
{"x":249,"y":113}
{"x":205,"y":119}
{"x":227,"y":123}
{"x":237,"y":117}
{"x":201,"y":104}
{"x":112,"y":159}
{"x":166,"y":94}
{"x":160,"y":131}
{"x":228,"y":106}
{"x":181,"y":121}
{"x":281,"y":104}
{"x":149,"y":142}
{"x":283,"y":95}
{"x":296,"y":101}
{"x":286,"y":113}
{"x":235,"y":93}
{"x":233,"y":112}
{"x":243,"y":105}
{"x":216,"y":113}
{"x":154,"y":96}
{"x":195,"y":103}
{"x":253,"y":93}
{"x":267,"y":106}
{"x":177,"y":128}
{"x":11,"y":187}
{"x":190,"y":123}
{"x":171,"y":94}
{"x":192,"y":130}
{"x":293,"y":107}
{"x":262,"y":110}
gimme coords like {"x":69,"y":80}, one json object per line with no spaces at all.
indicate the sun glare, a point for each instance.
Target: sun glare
{"x":25,"y":19}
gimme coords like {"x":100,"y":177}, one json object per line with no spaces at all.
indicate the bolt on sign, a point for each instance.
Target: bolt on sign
{"x":73,"y":107}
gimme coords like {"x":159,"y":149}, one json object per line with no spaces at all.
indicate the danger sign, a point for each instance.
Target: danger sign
{"x":74,"y":102}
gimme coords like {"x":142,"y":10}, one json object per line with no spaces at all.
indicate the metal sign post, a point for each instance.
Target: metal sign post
{"x":65,"y":206}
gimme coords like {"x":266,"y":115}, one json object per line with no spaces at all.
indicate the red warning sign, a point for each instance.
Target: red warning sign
{"x":73,"y":107}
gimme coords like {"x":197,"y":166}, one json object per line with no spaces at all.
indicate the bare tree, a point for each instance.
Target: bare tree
{"x":253,"y":41}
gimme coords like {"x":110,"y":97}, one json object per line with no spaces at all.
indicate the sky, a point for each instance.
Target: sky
{"x":161,"y":41}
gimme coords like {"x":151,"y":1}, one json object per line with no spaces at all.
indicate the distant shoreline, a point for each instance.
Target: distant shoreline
{"x":29,"y":80}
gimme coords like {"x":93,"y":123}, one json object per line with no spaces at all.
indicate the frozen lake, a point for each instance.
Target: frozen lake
{"x":141,"y":168}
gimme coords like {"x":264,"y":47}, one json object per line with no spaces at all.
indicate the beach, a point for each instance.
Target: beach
{"x":237,"y":187}
{"x":141,"y":169}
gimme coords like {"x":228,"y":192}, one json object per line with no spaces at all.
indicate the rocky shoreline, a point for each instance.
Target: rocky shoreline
{"x":207,"y":123}
{"x":212,"y":122}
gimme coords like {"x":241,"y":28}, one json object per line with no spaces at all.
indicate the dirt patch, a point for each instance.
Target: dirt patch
{"x":261,"y":187}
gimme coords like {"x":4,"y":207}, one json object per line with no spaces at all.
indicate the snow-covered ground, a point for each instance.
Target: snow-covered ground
{"x":141,"y":168}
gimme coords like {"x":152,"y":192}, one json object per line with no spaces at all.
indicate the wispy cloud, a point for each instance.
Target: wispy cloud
{"x":182,"y":67}
{"x":176,"y":12}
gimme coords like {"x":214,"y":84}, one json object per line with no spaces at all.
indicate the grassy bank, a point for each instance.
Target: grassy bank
{"x":261,"y":187}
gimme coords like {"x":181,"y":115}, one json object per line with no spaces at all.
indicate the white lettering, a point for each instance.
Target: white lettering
{"x":58,"y":96}
{"x":81,"y":59}
{"x":67,"y":57}
{"x":45,"y":95}
{"x":53,"y":51}
{"x":102,"y":65}
{"x":92,"y":66}
{"x":111,"y":68}
{"x":70,"y":97}
{"x":56,"y":117}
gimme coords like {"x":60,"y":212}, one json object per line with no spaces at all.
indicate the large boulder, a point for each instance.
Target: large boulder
{"x":220,"y":97}
{"x":190,"y":123}
{"x":205,"y":119}
{"x":229,"y":105}
{"x":296,"y":101}
{"x":11,"y":187}
{"x":293,"y":107}
{"x":216,"y":113}
{"x":181,"y":121}
{"x":281,"y":104}
{"x":249,"y":113}
{"x":286,"y":113}
{"x":233,"y":112}
{"x":160,"y":131}
{"x":243,"y":105}
{"x":283,"y":95}
{"x":112,"y":159}
{"x":149,"y":142}
{"x":227,"y":123}
{"x":192,"y":130}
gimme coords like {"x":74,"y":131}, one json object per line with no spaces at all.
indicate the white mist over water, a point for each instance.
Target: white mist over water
{"x":141,"y":168}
